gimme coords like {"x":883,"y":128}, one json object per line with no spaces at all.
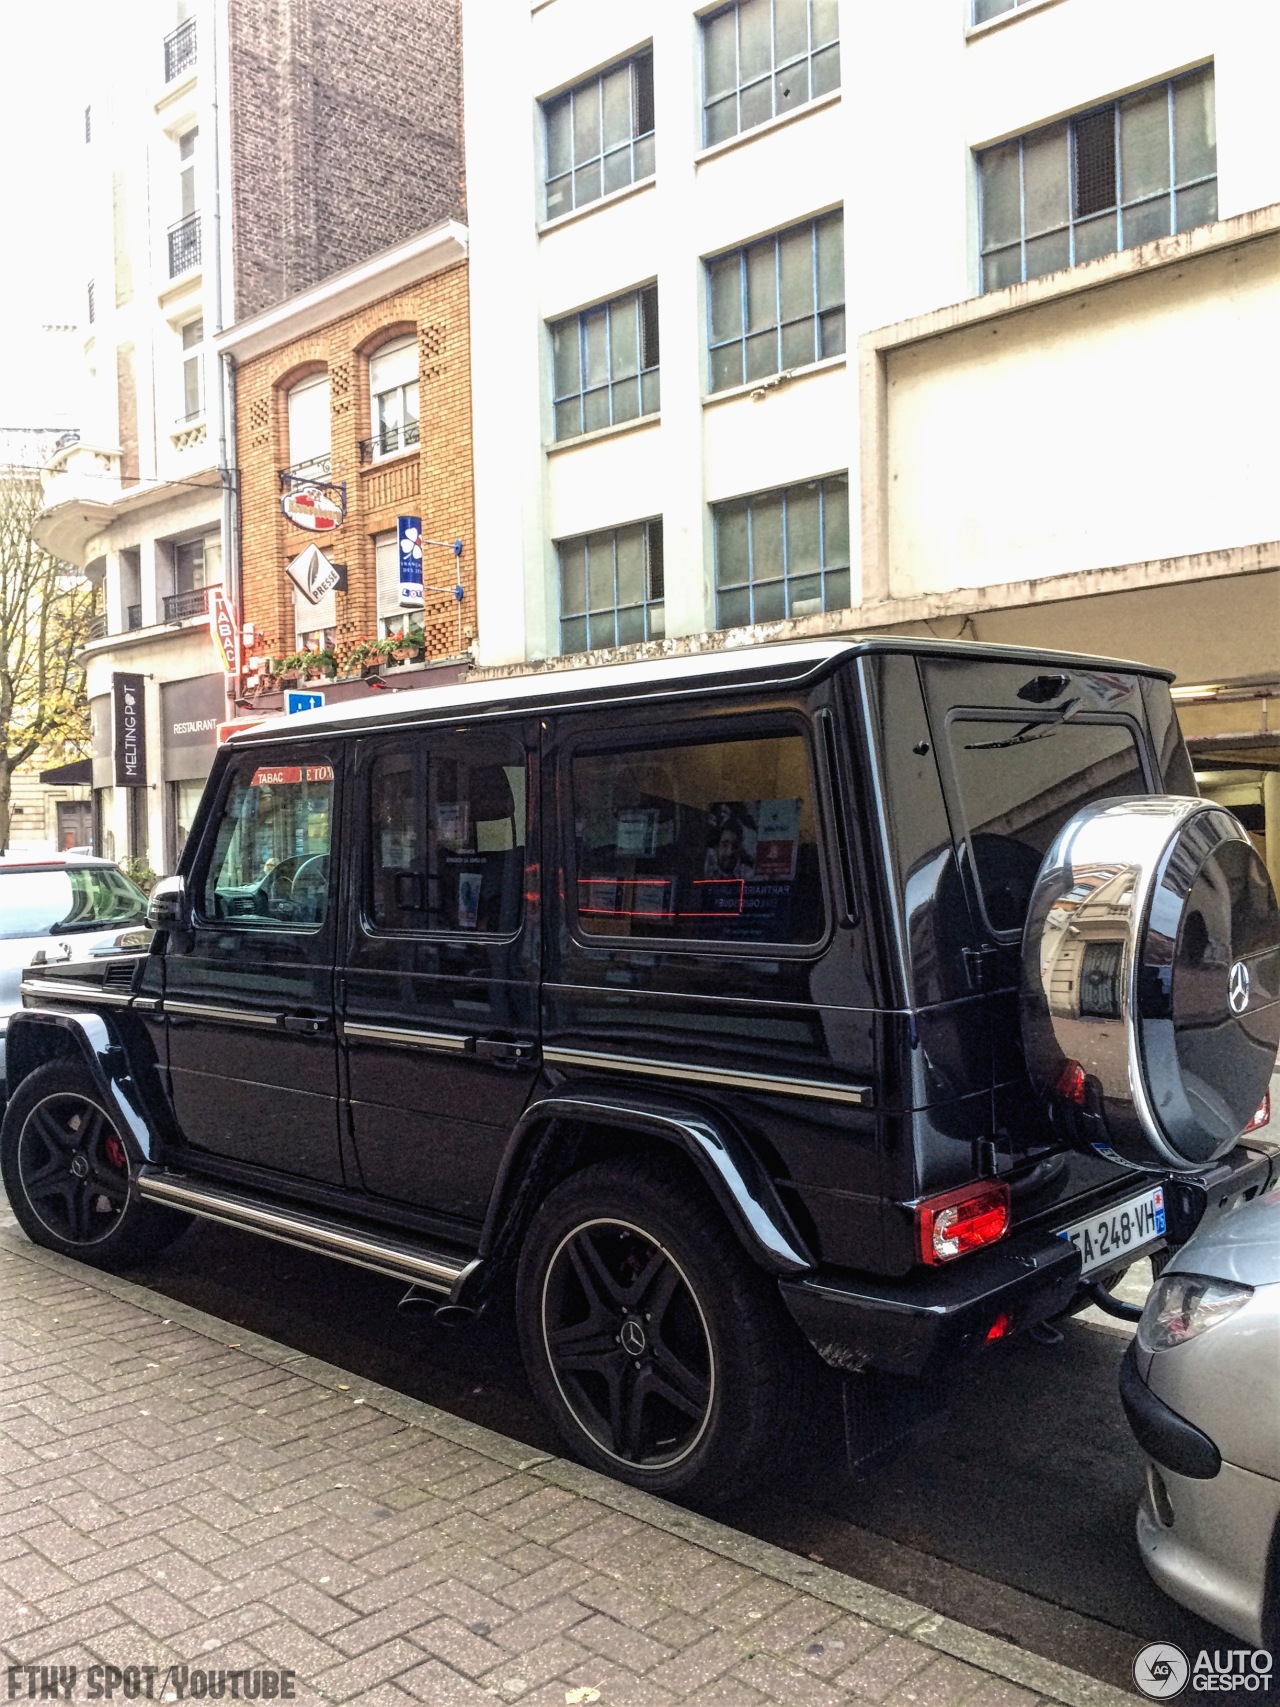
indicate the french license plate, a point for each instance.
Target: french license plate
{"x":1113,"y":1232}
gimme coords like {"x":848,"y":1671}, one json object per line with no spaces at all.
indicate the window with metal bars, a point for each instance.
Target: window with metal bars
{"x":599,"y":135}
{"x":604,"y":363}
{"x":1109,"y":179}
{"x":782,"y":553}
{"x":778,"y":303}
{"x":762,"y":58}
{"x":611,"y":587}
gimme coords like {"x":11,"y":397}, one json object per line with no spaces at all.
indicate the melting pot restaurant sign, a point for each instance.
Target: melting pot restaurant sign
{"x":130,"y":731}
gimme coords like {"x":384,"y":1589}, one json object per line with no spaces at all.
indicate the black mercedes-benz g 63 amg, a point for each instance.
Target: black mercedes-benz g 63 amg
{"x":890,"y":996}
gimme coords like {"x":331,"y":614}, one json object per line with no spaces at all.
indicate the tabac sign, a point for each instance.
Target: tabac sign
{"x":130,"y":731}
{"x":224,"y":631}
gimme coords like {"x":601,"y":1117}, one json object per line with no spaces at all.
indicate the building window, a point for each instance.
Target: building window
{"x":600,"y":135}
{"x":777,"y":304}
{"x":192,"y":370}
{"x":761,"y":58}
{"x":187,"y":173}
{"x":93,"y":307}
{"x":611,"y":587}
{"x":308,"y":413}
{"x":782,"y":553}
{"x":985,"y":10}
{"x":605,"y":363}
{"x":317,"y":639}
{"x":393,"y":387}
{"x":392,"y":613}
{"x":1108,"y":179}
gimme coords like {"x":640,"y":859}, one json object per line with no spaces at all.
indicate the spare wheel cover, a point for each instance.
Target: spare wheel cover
{"x":1151,"y":980}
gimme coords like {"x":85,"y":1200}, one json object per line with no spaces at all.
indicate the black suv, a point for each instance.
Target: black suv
{"x":889,"y":996}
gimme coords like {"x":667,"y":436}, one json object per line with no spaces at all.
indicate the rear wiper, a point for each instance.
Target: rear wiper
{"x":1035,"y":731}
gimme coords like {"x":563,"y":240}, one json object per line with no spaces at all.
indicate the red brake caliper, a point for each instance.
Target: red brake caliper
{"x":115,"y":1151}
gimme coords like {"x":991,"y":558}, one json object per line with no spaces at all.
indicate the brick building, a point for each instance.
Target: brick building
{"x":361,"y":385}
{"x":235,"y":155}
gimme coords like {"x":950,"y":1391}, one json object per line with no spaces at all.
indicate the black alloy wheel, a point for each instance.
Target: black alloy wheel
{"x":73,"y":1168}
{"x":67,"y":1171}
{"x":628,"y":1344}
{"x":663,"y":1355}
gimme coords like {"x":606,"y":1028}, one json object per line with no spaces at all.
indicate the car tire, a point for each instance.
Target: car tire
{"x":66,"y":1171}
{"x":664,"y":1357}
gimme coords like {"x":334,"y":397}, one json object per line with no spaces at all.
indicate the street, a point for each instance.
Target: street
{"x":1018,"y":1520}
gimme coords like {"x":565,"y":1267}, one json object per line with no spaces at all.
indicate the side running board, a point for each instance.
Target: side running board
{"x":402,"y":1259}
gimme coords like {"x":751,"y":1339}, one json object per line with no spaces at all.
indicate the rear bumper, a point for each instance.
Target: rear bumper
{"x":921,"y":1324}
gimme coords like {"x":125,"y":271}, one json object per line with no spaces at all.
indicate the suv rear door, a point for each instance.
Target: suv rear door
{"x":440,"y":1004}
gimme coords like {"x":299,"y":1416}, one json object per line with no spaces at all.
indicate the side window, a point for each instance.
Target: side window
{"x":714,"y":840}
{"x":448,"y":817}
{"x":270,"y":862}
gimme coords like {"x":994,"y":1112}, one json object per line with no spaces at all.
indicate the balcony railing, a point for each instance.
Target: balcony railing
{"x":179,"y":605}
{"x":179,"y":50}
{"x":389,"y":441}
{"x":184,"y":245}
{"x":132,"y":617}
{"x":315,"y":468}
{"x":97,"y":626}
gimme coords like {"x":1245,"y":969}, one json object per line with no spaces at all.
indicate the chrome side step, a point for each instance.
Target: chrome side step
{"x":399,"y":1258}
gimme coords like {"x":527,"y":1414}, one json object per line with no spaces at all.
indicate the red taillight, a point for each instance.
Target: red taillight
{"x":1000,"y":1327}
{"x":956,"y":1222}
{"x":1263,"y":1116}
{"x":1071,"y":1083}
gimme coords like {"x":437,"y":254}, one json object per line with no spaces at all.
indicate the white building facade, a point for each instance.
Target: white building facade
{"x":796,"y":316}
{"x":138,"y":500}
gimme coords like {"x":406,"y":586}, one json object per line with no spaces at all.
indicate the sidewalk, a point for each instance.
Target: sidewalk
{"x":178,"y":1493}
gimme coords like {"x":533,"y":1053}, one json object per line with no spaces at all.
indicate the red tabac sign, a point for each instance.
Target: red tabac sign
{"x":224,"y":630}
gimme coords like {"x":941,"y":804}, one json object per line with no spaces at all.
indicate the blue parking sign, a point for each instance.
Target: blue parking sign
{"x":299,"y":699}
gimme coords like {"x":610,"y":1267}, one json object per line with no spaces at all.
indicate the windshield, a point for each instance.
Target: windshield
{"x":68,"y":898}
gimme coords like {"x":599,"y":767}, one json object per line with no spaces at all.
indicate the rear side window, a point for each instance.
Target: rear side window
{"x":270,"y":863}
{"x":712,"y":841}
{"x":1019,"y":780}
{"x":448,"y":820}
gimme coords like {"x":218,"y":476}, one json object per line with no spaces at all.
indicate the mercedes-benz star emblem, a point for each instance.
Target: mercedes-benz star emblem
{"x":632,"y":1337}
{"x":1238,"y":987}
{"x":80,"y":1166}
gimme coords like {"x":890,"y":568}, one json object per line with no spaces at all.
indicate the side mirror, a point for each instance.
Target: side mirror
{"x":167,"y":909}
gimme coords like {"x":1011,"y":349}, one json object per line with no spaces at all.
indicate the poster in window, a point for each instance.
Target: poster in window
{"x":749,"y":869}
{"x":469,"y":883}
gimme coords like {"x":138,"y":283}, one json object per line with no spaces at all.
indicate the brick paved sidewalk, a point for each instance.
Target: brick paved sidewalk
{"x":175,"y":1492}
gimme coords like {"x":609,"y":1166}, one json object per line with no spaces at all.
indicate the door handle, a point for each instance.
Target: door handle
{"x":496,"y":1049}
{"x":308,"y":1025}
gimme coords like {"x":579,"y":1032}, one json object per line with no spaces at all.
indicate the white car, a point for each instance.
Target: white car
{"x":62,"y":908}
{"x":1201,"y":1388}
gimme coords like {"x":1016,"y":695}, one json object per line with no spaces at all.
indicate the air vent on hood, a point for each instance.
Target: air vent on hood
{"x":119,"y":975}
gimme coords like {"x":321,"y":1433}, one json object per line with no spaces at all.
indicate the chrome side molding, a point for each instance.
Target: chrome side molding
{"x":67,"y":989}
{"x":448,"y":1042}
{"x":767,"y":1084}
{"x":379,"y":1252}
{"x":225,"y":1016}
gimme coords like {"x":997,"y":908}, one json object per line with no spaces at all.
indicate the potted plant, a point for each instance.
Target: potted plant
{"x":416,"y":641}
{"x":288,"y":668}
{"x":321,"y":666}
{"x":388,"y":646}
{"x":362,"y":656}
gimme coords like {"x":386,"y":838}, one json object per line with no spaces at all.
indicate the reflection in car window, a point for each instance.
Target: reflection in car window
{"x":1019,"y":782}
{"x":36,"y":903}
{"x":270,"y":860}
{"x":449,"y":835}
{"x":715,"y":841}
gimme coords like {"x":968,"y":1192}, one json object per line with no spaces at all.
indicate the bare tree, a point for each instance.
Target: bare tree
{"x":45,"y":607}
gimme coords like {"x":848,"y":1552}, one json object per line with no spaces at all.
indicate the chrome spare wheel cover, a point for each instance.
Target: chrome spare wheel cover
{"x":1151,"y":980}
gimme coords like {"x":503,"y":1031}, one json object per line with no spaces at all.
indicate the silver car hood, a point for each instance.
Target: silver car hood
{"x":1243,"y":1246}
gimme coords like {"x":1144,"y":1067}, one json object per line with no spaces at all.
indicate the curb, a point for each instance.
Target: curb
{"x":890,"y":1612}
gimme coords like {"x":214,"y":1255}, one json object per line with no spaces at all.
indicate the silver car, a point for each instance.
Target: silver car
{"x":1201,"y":1387}
{"x":63,"y":908}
